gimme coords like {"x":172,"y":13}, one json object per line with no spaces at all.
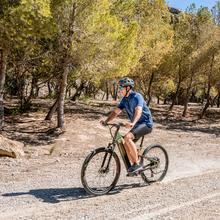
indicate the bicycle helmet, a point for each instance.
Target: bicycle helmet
{"x":125,"y":81}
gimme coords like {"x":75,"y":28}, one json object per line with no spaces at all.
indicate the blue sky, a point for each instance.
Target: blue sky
{"x":182,"y":5}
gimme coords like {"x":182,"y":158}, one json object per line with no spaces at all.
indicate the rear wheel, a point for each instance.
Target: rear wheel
{"x":155,"y":162}
{"x":100,"y":171}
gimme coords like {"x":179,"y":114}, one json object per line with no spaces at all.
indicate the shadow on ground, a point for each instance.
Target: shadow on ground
{"x":37,"y":131}
{"x":175,"y":121}
{"x":40,"y":132}
{"x":191,"y":127}
{"x":56,"y":195}
{"x":33,"y":136}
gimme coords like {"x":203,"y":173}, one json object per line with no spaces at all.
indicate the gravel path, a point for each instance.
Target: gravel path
{"x":49,"y":187}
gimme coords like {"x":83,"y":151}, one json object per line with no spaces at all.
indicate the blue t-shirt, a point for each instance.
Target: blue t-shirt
{"x":131,"y":102}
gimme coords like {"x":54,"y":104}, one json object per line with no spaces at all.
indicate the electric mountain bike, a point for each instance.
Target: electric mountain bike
{"x":101,"y":169}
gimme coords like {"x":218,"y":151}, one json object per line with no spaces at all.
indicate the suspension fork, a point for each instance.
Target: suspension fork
{"x":111,"y":146}
{"x":110,"y":157}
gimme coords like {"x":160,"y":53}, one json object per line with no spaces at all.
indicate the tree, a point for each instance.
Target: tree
{"x":153,"y":38}
{"x":99,"y":47}
{"x":22,"y":24}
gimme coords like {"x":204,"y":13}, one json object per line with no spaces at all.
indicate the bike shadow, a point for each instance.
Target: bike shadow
{"x":56,"y":195}
{"x":129,"y":186}
{"x":53,"y":195}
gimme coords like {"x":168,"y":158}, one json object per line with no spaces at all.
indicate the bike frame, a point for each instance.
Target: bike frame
{"x":106,"y":154}
{"x":117,"y":139}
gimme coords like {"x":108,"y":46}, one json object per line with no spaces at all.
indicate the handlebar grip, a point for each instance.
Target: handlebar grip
{"x":121,"y":124}
{"x":117,"y":125}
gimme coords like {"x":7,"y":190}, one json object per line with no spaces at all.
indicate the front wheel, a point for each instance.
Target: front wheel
{"x":155,"y":162}
{"x":100,"y":171}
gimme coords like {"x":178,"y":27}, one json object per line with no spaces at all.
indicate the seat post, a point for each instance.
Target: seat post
{"x":142,"y":140}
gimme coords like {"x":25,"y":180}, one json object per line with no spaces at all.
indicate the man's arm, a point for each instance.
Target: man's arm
{"x":137,"y":115}
{"x":113,"y":115}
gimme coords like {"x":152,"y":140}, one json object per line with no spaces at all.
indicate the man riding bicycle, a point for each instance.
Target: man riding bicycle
{"x":141,"y":122}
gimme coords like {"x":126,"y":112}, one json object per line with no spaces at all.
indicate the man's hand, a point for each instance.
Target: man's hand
{"x":112,"y":115}
{"x":129,"y":125}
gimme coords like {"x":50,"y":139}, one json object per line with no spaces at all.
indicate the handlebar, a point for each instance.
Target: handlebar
{"x":117,"y":125}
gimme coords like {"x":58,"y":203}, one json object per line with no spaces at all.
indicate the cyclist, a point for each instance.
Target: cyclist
{"x":141,"y":122}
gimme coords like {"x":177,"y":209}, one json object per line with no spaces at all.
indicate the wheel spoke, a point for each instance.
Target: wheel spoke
{"x":96,"y":178}
{"x":155,"y":163}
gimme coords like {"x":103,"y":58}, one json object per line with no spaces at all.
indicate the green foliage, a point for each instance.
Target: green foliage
{"x":108,"y":39}
{"x":24,"y":24}
{"x":165,"y":87}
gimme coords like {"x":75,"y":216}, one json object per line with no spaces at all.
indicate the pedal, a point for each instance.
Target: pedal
{"x":131,"y":174}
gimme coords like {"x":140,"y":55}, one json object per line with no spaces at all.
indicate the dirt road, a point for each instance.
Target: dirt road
{"x":48,"y":186}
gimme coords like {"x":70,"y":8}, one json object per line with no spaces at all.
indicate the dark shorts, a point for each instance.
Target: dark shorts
{"x":140,"y":130}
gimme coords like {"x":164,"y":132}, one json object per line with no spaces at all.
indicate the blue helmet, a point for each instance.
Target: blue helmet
{"x":125,"y":81}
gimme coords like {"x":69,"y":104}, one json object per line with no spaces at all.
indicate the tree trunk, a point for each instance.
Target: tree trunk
{"x":207,"y":102}
{"x":69,"y":93}
{"x":49,"y":89}
{"x":186,"y":101}
{"x":52,"y":110}
{"x":149,"y":88}
{"x":87,"y":91}
{"x":175,"y":96}
{"x":78,"y":91}
{"x":165,"y":101}
{"x":115,"y":91}
{"x":65,"y":68}
{"x":3,"y":61}
{"x":107,"y":91}
{"x":158,"y":100}
{"x":209,"y":89}
{"x":193,"y":96}
{"x":177,"y":88}
{"x":34,"y":87}
{"x":204,"y":94}
{"x":25,"y":98}
{"x":37,"y":92}
{"x":25,"y":102}
{"x":61,"y":98}
{"x":187,"y":97}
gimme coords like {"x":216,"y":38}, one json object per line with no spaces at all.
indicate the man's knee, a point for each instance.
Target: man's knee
{"x":129,"y":137}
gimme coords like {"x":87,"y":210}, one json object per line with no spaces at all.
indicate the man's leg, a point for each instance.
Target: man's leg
{"x":131,"y":148}
{"x":135,"y":133}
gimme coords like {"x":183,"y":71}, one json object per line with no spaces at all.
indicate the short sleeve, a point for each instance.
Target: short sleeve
{"x":121,"y":105}
{"x":139,"y":101}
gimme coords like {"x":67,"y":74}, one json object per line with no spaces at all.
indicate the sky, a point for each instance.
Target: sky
{"x":182,"y":5}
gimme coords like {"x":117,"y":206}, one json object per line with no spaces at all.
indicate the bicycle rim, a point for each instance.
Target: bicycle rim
{"x":155,"y":162}
{"x":97,"y":177}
